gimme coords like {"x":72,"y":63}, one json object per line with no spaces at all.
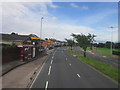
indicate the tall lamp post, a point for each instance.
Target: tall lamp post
{"x":41,"y":34}
{"x":41,"y":28}
{"x":111,"y":37}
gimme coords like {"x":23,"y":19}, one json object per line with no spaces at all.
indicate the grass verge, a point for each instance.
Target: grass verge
{"x":102,"y":67}
{"x":104,"y":51}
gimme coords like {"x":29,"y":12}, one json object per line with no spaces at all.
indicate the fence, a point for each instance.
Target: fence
{"x":10,"y":54}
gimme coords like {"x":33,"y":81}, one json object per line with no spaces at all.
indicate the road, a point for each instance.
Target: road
{"x":113,"y":62}
{"x":62,"y":70}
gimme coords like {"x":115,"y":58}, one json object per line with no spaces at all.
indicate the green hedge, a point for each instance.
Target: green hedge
{"x":116,"y":52}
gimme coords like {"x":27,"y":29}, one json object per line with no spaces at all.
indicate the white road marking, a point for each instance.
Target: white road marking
{"x":49,"y":70}
{"x":52,"y":57}
{"x":51,"y":61}
{"x":37,"y":76}
{"x":46,"y":86}
{"x":66,"y":58}
{"x":54,"y":54}
{"x":70,"y":64}
{"x":78,"y":75}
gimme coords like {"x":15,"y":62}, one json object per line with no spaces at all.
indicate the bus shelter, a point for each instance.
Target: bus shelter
{"x":27,"y":52}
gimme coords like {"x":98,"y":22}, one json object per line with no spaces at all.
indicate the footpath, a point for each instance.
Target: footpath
{"x":21,"y":74}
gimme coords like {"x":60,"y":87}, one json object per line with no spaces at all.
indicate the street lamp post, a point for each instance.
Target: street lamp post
{"x":111,"y":38}
{"x":41,"y":34}
{"x":41,"y":28}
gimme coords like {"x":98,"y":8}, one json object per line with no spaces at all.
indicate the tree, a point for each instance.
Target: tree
{"x":101,"y":45}
{"x":70,"y":42}
{"x":91,"y":39}
{"x":84,"y":40}
{"x":117,"y":45}
{"x":108,"y":44}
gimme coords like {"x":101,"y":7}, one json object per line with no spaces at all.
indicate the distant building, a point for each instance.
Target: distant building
{"x":58,"y":42}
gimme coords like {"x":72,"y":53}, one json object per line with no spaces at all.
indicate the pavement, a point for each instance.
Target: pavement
{"x":111,"y":61}
{"x":22,"y":72}
{"x":11,"y":65}
{"x":5,"y":68}
{"x":62,"y":70}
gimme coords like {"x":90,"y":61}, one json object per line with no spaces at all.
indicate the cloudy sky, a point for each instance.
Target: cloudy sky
{"x":61,"y":19}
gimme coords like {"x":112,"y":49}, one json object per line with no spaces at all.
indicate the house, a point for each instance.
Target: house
{"x":19,"y":39}
{"x":26,"y":43}
{"x":13,"y":38}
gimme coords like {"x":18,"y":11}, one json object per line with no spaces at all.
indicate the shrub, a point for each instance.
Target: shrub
{"x":116,"y":52}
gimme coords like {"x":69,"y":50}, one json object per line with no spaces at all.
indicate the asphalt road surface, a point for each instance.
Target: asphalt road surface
{"x":62,"y":70}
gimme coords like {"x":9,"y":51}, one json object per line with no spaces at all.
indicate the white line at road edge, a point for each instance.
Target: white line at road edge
{"x":37,"y":75}
{"x":49,"y":70}
{"x":51,"y":61}
{"x":78,"y":75}
{"x":46,"y":86}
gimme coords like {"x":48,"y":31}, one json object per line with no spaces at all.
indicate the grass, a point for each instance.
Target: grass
{"x":102,"y":67}
{"x":88,"y":48}
{"x":104,"y":51}
{"x":71,"y":51}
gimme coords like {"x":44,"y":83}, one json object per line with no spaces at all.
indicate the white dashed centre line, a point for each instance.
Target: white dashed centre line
{"x":51,"y":61}
{"x":78,"y":75}
{"x":66,"y":58}
{"x":49,"y":70}
{"x":52,"y":57}
{"x":70,"y":64}
{"x":53,"y":54}
{"x":46,"y":86}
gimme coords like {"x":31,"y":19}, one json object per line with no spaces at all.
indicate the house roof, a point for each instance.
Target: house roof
{"x":14,"y":37}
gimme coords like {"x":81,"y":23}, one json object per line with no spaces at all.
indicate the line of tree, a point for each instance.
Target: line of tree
{"x":82,"y":40}
{"x":85,"y":41}
{"x":70,"y":42}
{"x":107,"y":44}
